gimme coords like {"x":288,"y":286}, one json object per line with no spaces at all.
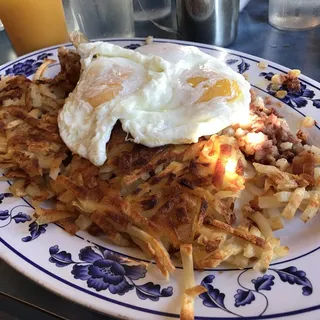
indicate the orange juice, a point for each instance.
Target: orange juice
{"x":33,"y":24}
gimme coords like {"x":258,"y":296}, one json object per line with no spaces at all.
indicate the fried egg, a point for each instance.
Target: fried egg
{"x":162,"y":94}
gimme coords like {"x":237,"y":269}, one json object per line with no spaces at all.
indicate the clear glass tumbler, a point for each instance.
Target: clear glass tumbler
{"x":294,"y":14}
{"x":100,"y":18}
{"x":151,"y":9}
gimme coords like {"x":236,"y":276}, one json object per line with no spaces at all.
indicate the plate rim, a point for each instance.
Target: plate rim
{"x":82,"y":302}
{"x":6,"y":254}
{"x":276,"y":66}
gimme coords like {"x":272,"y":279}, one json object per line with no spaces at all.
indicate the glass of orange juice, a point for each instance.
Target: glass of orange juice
{"x":33,"y":24}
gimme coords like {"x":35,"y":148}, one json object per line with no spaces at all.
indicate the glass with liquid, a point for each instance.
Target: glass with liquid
{"x":294,"y":14}
{"x":33,"y":24}
{"x":100,"y":18}
{"x":151,"y":9}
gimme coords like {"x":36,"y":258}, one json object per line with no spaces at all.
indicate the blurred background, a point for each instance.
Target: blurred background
{"x":272,"y":30}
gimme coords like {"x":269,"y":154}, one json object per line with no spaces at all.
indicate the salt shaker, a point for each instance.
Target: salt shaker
{"x":208,"y":21}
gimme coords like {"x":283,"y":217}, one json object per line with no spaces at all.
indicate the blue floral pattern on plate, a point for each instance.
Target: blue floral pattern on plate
{"x":35,"y":231}
{"x":242,"y":65}
{"x":7,"y":217}
{"x":103,"y":269}
{"x":214,"y":298}
{"x":29,"y":66}
{"x":295,"y":99}
{"x":133,"y":46}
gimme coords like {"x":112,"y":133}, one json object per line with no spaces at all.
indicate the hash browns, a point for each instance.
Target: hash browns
{"x":163,"y":200}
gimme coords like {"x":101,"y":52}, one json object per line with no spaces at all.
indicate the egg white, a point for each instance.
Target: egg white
{"x":86,"y":127}
{"x":182,"y":119}
{"x":156,"y":103}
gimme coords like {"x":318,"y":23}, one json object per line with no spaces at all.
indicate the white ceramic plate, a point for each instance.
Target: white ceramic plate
{"x":92,"y":272}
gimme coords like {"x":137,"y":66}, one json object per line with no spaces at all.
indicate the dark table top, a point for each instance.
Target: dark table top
{"x":298,"y":50}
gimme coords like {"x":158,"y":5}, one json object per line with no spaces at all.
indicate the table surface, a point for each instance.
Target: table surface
{"x":298,"y":50}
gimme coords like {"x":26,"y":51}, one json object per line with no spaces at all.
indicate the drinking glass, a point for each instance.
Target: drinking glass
{"x":33,"y":24}
{"x":294,"y":14}
{"x":208,"y":21}
{"x":100,"y":18}
{"x":151,"y":9}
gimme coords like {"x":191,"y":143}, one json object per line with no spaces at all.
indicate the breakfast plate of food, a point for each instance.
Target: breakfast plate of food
{"x":160,"y":179}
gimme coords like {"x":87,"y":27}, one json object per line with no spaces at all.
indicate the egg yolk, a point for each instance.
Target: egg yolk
{"x":105,"y":95}
{"x":106,"y":87}
{"x":222,"y":88}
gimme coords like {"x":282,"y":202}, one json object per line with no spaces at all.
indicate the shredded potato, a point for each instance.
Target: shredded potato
{"x":267,"y":202}
{"x":191,"y":291}
{"x":51,"y":215}
{"x":38,"y":75}
{"x":294,"y":203}
{"x":308,"y":122}
{"x":312,"y":207}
